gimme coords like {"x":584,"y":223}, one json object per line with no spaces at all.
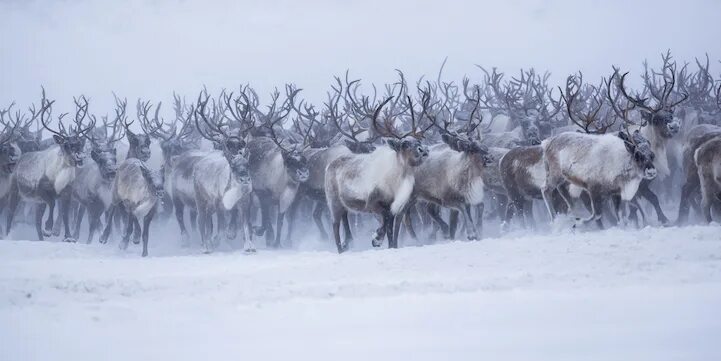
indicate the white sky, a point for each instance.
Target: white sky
{"x":144,"y":48}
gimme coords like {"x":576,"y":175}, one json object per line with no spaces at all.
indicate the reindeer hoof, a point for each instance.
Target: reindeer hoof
{"x":56,"y":233}
{"x":145,"y":254}
{"x":70,"y":240}
{"x":377,"y":243}
{"x":473,"y":237}
{"x":250,"y":251}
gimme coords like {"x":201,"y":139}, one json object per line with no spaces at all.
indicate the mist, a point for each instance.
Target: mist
{"x":149,"y":49}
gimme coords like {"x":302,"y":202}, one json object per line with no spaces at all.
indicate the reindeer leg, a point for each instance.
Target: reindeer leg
{"x":388,"y":220}
{"x":471,"y":231}
{"x":179,"y":209}
{"x":278,"y":228}
{"x":96,"y":210}
{"x":65,"y":213}
{"x":204,"y":228}
{"x":39,"y":212}
{"x":434,"y":213}
{"x":128,"y":231}
{"x":222,"y":225}
{"x":137,"y":231}
{"x":13,"y":202}
{"x":645,"y":191}
{"x":291,"y":213}
{"x":193,"y":219}
{"x":688,"y":190}
{"x":318,"y":218}
{"x":109,"y":223}
{"x":51,"y":218}
{"x":596,"y":204}
{"x":231,"y":230}
{"x":79,"y":220}
{"x":379,"y":233}
{"x":146,"y":229}
{"x":453,"y":222}
{"x":408,"y":223}
{"x":347,"y":233}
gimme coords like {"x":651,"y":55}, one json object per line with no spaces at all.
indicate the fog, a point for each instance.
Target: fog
{"x":143,"y":48}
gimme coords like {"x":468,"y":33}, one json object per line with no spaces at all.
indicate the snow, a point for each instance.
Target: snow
{"x":650,"y":294}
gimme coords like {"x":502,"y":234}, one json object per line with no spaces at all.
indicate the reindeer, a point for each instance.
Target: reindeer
{"x":696,"y":137}
{"x":379,"y":182}
{"x":219,"y":185}
{"x":9,"y":150}
{"x":93,"y":184}
{"x":219,"y":179}
{"x":462,"y":161}
{"x":708,"y":162}
{"x":658,"y":125}
{"x":600,"y":164}
{"x":276,"y":170}
{"x":523,"y":169}
{"x":347,"y":124}
{"x":42,"y":177}
{"x":137,"y":190}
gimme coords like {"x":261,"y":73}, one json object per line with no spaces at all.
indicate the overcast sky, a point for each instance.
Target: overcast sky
{"x":146,"y":48}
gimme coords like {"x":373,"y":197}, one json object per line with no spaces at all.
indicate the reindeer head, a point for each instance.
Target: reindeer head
{"x":9,"y":155}
{"x":105,"y":156}
{"x":9,"y":138}
{"x":640,"y":149}
{"x":531,"y":129}
{"x":231,"y":141}
{"x":139,"y":145}
{"x":72,"y":141}
{"x":660,"y":116}
{"x":410,"y":149}
{"x":239,"y":169}
{"x":472,"y":148}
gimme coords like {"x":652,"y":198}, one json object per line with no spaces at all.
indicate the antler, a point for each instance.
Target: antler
{"x":584,"y":111}
{"x":11,"y":126}
{"x":81,"y":112}
{"x":44,"y":115}
{"x":154,"y":126}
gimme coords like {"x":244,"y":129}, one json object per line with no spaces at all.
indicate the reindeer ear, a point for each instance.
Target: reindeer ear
{"x":58,"y":139}
{"x":395,"y":144}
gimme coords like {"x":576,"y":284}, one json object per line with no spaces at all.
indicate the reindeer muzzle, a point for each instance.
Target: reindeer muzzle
{"x":650,"y":173}
{"x":488,"y":160}
{"x":673,"y":128}
{"x":302,"y":175}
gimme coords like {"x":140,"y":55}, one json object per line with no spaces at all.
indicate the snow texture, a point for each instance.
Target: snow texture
{"x":651,"y":294}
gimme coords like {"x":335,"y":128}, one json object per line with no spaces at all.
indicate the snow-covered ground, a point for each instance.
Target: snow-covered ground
{"x":652,"y":294}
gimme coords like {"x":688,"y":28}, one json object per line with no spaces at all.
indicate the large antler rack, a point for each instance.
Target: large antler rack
{"x":586,"y":108}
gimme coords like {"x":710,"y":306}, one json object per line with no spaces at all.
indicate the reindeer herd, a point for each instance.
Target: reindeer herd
{"x":426,"y":153}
